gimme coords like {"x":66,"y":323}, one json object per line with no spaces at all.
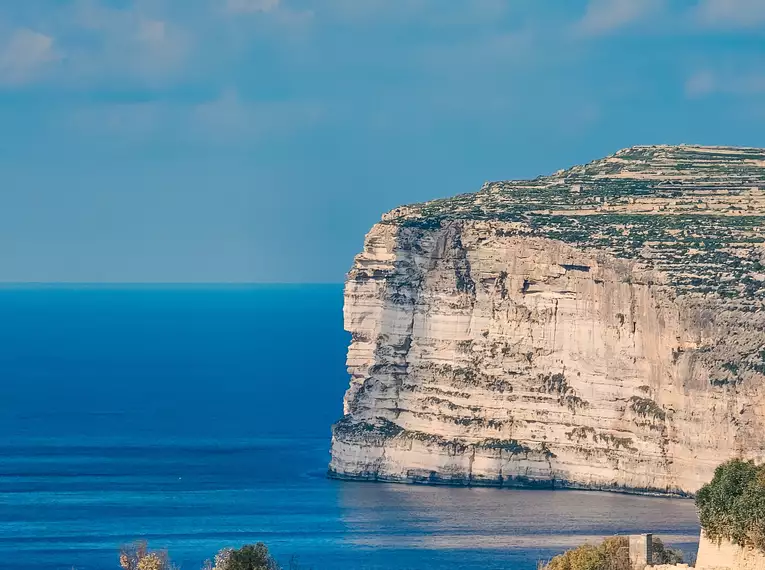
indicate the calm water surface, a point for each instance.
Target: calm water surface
{"x":199,"y":418}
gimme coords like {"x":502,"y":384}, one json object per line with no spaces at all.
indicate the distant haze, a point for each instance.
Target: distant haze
{"x":258,"y":140}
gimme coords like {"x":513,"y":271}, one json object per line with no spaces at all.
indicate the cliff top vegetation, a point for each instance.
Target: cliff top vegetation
{"x":695,"y":213}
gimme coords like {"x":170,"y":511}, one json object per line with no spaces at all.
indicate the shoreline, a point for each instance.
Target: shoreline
{"x":540,"y":485}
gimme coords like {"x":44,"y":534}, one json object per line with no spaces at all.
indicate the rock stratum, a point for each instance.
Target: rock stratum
{"x":602,"y":328}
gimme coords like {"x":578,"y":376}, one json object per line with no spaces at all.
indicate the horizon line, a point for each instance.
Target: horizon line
{"x":167,"y":283}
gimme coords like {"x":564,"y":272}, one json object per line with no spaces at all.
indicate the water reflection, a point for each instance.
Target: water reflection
{"x":405,"y":516}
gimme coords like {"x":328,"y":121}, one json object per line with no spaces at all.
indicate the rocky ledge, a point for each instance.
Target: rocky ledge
{"x":601,"y":327}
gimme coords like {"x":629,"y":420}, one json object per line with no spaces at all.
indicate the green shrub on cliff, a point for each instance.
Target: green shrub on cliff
{"x":732,"y":505}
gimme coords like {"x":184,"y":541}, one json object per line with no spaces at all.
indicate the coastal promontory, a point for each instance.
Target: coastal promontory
{"x":601,"y":327}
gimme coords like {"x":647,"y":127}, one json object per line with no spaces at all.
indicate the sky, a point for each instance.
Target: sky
{"x":259,"y":140}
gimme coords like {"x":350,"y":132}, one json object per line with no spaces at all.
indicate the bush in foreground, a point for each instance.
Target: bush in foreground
{"x":612,"y":554}
{"x":137,"y":556}
{"x":249,"y":557}
{"x":732,"y":505}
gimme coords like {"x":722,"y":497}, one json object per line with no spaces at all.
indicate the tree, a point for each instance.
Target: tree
{"x":154,"y":561}
{"x":249,"y":557}
{"x":131,"y":554}
{"x":137,"y":556}
{"x":732,"y":505}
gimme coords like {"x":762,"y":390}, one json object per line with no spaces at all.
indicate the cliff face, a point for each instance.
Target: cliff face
{"x":598,"y":328}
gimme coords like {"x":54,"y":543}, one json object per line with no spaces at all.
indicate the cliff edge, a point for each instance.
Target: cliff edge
{"x":601,"y":327}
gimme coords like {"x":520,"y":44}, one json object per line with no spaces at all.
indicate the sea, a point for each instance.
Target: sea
{"x":198,"y":417}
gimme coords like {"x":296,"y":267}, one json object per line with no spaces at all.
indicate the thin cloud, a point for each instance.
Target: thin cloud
{"x":230,"y":117}
{"x":732,"y":14}
{"x":129,"y":121}
{"x":478,"y":54}
{"x":251,"y":6}
{"x":434,"y":13}
{"x":25,"y":55}
{"x":124,"y":42}
{"x":700,"y":84}
{"x":272,"y":18}
{"x":705,"y":83}
{"x":606,"y":16}
{"x":93,"y":43}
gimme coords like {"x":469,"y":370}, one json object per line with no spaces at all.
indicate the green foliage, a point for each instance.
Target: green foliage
{"x":132,"y":554}
{"x":612,"y":554}
{"x":249,"y":557}
{"x":510,"y":445}
{"x":732,"y":505}
{"x":665,"y":555}
{"x":558,"y":385}
{"x":346,"y":428}
{"x":685,"y":234}
{"x":585,"y":557}
{"x":647,"y":408}
{"x":137,"y":556}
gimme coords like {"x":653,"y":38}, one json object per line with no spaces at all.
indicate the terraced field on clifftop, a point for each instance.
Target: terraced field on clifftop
{"x":694,"y":213}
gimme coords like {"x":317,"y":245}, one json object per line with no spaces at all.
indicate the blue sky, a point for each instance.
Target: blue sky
{"x":258,"y":140}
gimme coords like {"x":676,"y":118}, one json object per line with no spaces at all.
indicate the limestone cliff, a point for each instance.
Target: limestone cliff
{"x":602,"y":327}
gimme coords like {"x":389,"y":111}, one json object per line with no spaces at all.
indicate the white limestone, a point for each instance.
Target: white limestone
{"x":487,"y":354}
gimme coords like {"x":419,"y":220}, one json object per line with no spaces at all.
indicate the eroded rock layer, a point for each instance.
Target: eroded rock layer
{"x":598,"y":328}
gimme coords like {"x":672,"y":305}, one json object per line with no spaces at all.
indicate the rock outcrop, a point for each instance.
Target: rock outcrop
{"x":725,"y":555}
{"x":720,"y":555}
{"x":600,"y":328}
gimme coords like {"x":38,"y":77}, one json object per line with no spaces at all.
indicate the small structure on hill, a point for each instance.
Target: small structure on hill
{"x":641,"y":551}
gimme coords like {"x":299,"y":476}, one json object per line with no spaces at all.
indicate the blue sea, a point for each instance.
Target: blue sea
{"x":199,"y":417}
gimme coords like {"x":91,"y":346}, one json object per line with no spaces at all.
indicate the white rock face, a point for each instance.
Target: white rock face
{"x":726,"y":555}
{"x":485,"y":352}
{"x":722,"y":555}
